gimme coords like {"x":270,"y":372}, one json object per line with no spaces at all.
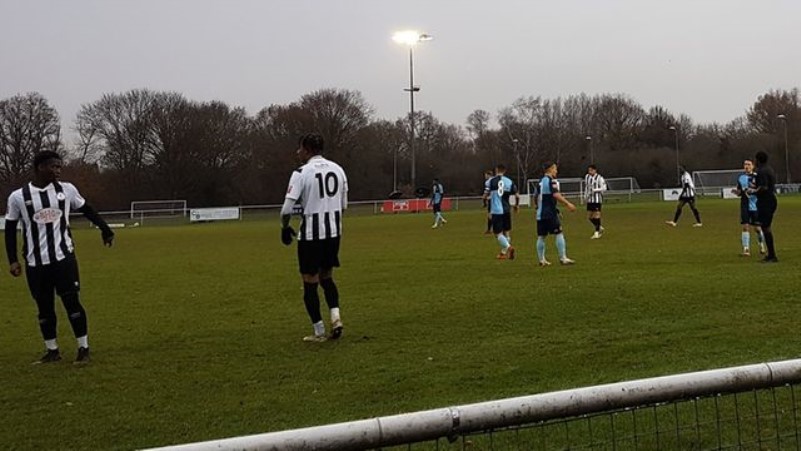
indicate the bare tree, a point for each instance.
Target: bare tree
{"x":478,"y":123}
{"x":387,"y":160}
{"x":619,"y":120}
{"x":762,"y":116}
{"x":28,"y":124}
{"x":162,"y":144}
{"x":338,"y":115}
{"x":523,"y":121}
{"x":87,"y":148}
{"x":173,"y":145}
{"x":656,"y":130}
{"x":123,"y":124}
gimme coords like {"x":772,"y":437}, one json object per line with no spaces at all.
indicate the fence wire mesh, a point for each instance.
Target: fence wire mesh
{"x":765,"y":419}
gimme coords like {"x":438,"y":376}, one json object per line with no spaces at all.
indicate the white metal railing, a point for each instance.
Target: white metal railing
{"x":645,"y":195}
{"x":452,"y":422}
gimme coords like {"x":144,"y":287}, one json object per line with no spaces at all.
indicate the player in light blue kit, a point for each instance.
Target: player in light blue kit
{"x":437,"y":194}
{"x":498,"y":190}
{"x":548,"y":216}
{"x":749,"y":218}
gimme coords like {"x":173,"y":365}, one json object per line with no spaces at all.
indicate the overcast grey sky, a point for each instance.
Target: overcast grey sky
{"x":706,"y":58}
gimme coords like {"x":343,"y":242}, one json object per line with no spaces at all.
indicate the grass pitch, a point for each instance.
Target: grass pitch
{"x":195,"y":330}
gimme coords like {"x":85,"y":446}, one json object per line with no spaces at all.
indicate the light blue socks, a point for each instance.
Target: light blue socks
{"x":561,"y":246}
{"x":503,"y":242}
{"x":541,"y":248}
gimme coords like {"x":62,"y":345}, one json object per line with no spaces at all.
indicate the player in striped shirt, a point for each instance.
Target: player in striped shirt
{"x":487,"y":176}
{"x":687,"y":196}
{"x":594,"y":187}
{"x":43,"y":208}
{"x":437,"y":194}
{"x":749,"y":217}
{"x":498,"y":191}
{"x":320,"y":187}
{"x":548,"y":222}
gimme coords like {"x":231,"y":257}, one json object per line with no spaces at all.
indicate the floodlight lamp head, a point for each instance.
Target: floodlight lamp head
{"x":782,"y":117}
{"x":410,"y":37}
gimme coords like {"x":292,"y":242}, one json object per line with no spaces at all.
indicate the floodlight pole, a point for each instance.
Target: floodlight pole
{"x":395,"y":171}
{"x":678,"y":165}
{"x":411,"y":38}
{"x":592,"y":152}
{"x":412,"y":90}
{"x":783,"y":118}
{"x":519,"y":163}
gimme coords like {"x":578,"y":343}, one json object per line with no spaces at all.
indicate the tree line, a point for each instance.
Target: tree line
{"x":151,"y":145}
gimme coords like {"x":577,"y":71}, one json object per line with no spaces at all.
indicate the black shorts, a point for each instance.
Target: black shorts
{"x":765,"y":210}
{"x":593,"y":206}
{"x":436,"y":207}
{"x":61,"y":277}
{"x":749,"y":217}
{"x":501,"y":223}
{"x":548,"y":226}
{"x":320,"y":255}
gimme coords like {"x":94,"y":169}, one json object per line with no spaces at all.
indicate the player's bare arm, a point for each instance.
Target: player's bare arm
{"x":561,"y":199}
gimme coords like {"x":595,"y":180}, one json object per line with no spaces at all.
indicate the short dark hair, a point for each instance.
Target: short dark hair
{"x":312,"y":142}
{"x":500,"y":167}
{"x":592,"y":166}
{"x":749,"y":159}
{"x":761,"y":157}
{"x":547,"y":165}
{"x":43,"y":157}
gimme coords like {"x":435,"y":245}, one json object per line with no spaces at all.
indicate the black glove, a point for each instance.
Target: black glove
{"x":108,"y":237}
{"x":287,"y":233}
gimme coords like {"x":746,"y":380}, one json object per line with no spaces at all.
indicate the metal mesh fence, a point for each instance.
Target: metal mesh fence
{"x":766,"y":419}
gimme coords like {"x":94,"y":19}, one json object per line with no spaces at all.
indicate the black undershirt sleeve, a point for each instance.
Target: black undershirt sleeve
{"x":92,"y":215}
{"x":761,"y":181}
{"x":11,"y":241}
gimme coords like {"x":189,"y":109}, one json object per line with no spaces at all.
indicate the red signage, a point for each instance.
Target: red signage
{"x":412,"y":205}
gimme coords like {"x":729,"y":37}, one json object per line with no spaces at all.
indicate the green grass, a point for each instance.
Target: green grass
{"x":195,"y":330}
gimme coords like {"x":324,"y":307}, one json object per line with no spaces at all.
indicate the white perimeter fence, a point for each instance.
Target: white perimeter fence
{"x":758,"y":420}
{"x":175,"y":215}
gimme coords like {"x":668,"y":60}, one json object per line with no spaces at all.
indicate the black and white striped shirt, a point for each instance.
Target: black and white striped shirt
{"x":594,"y":187}
{"x":321,"y":188}
{"x":687,"y":186}
{"x":44,"y":215}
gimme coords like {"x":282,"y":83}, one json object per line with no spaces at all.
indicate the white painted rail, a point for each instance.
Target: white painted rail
{"x":454,"y":421}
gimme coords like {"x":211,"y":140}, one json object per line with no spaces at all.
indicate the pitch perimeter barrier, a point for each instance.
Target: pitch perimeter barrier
{"x":122,"y":218}
{"x":776,"y":426}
